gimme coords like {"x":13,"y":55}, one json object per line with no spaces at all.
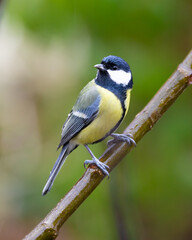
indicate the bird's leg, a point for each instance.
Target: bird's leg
{"x":102,"y":166}
{"x":128,"y":138}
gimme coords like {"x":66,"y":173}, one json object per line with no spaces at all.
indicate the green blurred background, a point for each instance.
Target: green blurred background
{"x":47,"y":52}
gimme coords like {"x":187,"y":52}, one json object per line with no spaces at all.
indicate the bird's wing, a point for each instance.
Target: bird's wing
{"x":83,"y":113}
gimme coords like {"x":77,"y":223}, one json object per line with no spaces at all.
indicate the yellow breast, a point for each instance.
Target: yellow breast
{"x":110,"y":112}
{"x":127,"y":100}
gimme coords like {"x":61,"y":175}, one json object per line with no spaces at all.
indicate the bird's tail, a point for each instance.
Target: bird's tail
{"x":57,"y":166}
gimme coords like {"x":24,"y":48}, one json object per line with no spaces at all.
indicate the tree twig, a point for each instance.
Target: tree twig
{"x":49,"y":227}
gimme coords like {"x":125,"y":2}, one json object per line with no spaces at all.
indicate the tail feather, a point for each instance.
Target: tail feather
{"x":57,"y":166}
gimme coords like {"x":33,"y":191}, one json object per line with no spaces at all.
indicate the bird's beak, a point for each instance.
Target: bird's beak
{"x":100,"y":67}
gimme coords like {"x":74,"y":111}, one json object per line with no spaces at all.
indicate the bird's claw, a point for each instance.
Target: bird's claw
{"x":128,"y":138}
{"x":102,"y":166}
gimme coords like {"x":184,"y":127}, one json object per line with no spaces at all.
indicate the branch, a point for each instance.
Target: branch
{"x":144,"y":121}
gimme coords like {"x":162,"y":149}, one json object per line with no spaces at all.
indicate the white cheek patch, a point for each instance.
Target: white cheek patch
{"x":120,"y":76}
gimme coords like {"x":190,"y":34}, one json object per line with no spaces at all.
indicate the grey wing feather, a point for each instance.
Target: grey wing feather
{"x":87,"y":104}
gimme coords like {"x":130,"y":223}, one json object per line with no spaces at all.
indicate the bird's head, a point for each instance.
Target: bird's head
{"x":117,"y":69}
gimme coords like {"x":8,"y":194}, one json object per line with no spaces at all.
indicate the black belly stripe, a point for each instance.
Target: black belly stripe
{"x":118,"y":89}
{"x":122,"y":98}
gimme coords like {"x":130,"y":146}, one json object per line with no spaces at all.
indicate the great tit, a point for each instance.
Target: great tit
{"x":97,"y":113}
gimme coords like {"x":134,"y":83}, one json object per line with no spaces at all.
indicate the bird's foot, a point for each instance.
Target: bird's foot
{"x":128,"y":138}
{"x":102,"y":166}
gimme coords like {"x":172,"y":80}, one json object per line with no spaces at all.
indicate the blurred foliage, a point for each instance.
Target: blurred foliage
{"x":151,"y":191}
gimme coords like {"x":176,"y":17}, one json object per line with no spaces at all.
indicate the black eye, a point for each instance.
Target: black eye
{"x":115,"y":68}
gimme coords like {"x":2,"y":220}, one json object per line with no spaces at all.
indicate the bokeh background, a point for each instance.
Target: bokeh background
{"x":47,"y":52}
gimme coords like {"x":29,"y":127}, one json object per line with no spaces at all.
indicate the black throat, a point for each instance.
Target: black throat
{"x":103,"y":79}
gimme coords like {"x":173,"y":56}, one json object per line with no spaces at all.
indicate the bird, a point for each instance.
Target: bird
{"x":100,"y":108}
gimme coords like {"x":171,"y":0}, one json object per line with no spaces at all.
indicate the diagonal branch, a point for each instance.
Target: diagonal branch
{"x":144,"y":121}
